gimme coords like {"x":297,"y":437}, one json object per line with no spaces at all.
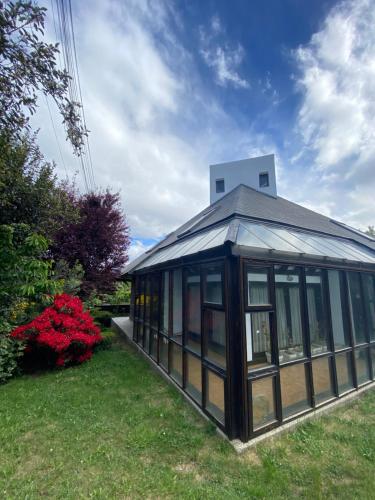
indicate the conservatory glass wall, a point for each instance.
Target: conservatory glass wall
{"x":180,"y":322}
{"x":310,"y":338}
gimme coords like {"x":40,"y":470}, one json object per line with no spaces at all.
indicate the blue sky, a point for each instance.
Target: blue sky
{"x":171,"y":87}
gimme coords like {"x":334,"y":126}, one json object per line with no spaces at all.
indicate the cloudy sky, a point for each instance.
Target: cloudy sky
{"x":171,"y":87}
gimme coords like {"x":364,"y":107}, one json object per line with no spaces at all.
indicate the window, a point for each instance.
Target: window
{"x":154,"y":344}
{"x":155,"y":301}
{"x":177,"y":306}
{"x":344,"y":372}
{"x":372,"y":355}
{"x":294,"y":394}
{"x":357,"y":309}
{"x":146,"y":339}
{"x":213,"y":293}
{"x":258,"y":339}
{"x":147,"y":298}
{"x":220,"y":186}
{"x":288,"y":307}
{"x":369,"y":291}
{"x":215,"y":396}
{"x":194,"y":377}
{"x":362,"y":365}
{"x":193,"y":309}
{"x":263,"y":402}
{"x":214,"y":330}
{"x":322,"y":379}
{"x":257,"y":287}
{"x":176,"y":363}
{"x":163,"y":351}
{"x":164,"y":326}
{"x":264,"y":180}
{"x":316,"y":311}
{"x":339,"y":317}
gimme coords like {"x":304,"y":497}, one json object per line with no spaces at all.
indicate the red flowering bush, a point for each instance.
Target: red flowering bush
{"x":64,"y":332}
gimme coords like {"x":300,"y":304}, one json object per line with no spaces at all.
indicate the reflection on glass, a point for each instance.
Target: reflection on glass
{"x":146,"y":339}
{"x":163,"y":351}
{"x":362,"y":365}
{"x":344,"y":372}
{"x":164,"y":326}
{"x":147,"y":298}
{"x":356,"y":305}
{"x":258,"y":339}
{"x":194,"y":377}
{"x":288,"y":306}
{"x":369,"y":291}
{"x":212,"y":284}
{"x":193,"y":309}
{"x":177,"y":305}
{"x":322,"y":378}
{"x":257,"y":287}
{"x":316,"y":311}
{"x":263,"y":401}
{"x":214,"y":325}
{"x":372,"y":354}
{"x":340,"y":326}
{"x":215,"y":396}
{"x":140,"y":333}
{"x":294,"y":395}
{"x":176,"y":363}
{"x":155,"y":301}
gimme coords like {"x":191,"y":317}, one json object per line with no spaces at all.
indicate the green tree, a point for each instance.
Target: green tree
{"x":27,"y":68}
{"x":371,"y":231}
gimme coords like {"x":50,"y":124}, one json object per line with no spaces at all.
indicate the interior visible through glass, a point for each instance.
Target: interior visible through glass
{"x":215,"y":334}
{"x":322,"y":378}
{"x":356,"y":305}
{"x":263,"y":402}
{"x":177,"y":306}
{"x":212,"y":284}
{"x":193,"y":309}
{"x":344,"y":372}
{"x":164,"y":326}
{"x":257,"y":287}
{"x":215,"y":396}
{"x":288,"y":307}
{"x":339,"y":318}
{"x":175,"y":368}
{"x":362,"y":365}
{"x":316,"y":311}
{"x":258,"y":339}
{"x":294,"y":395}
{"x":369,"y":290}
{"x":163,"y":351}
{"x":194,"y":377}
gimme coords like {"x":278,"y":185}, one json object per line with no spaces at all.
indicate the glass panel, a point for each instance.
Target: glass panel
{"x":294,"y":395}
{"x":215,"y":396}
{"x":163,"y":351}
{"x":369,"y":291}
{"x":257,"y":287}
{"x":288,"y":306}
{"x":316,"y":311}
{"x":147,"y":298}
{"x":194,"y":377}
{"x":154,"y":344}
{"x":362,"y":365}
{"x":372,"y":354}
{"x":146,"y":339}
{"x":344,"y":372}
{"x":258,"y":339}
{"x":322,"y":377}
{"x":213,"y":292}
{"x":165,"y":303}
{"x":356,"y":305}
{"x":140,"y":333}
{"x":177,"y":305}
{"x":155,"y":301}
{"x":263,"y":402}
{"x":339,"y":317}
{"x":214,"y":326}
{"x":176,"y":363}
{"x":193,"y":309}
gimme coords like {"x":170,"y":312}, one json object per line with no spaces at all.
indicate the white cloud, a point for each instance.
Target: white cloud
{"x":154,"y":126}
{"x":221,"y":56}
{"x":337,"y":117}
{"x":136,"y":249}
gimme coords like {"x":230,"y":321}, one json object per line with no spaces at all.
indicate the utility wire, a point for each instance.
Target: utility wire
{"x":54,"y":131}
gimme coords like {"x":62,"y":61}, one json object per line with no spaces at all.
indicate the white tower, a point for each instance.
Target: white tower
{"x":258,"y":173}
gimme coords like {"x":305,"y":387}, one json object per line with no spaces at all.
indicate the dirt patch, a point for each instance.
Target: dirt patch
{"x":251,"y":457}
{"x":185,"y":468}
{"x":29,"y":465}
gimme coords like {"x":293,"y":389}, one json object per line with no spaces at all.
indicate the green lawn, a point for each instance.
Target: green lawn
{"x":113,"y":428}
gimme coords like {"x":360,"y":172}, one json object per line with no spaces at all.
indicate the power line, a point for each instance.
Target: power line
{"x":65,"y":34}
{"x":54,"y":131}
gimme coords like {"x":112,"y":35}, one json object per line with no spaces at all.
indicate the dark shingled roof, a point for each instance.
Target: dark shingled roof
{"x":247,"y":202}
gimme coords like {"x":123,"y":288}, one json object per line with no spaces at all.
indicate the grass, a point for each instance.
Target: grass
{"x":113,"y":428}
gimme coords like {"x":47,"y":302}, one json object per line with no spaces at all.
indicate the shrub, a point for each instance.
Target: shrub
{"x":10,"y":351}
{"x":62,"y":334}
{"x":102,"y":317}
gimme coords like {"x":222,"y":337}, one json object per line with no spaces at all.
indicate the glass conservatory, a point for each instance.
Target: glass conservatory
{"x":257,"y":322}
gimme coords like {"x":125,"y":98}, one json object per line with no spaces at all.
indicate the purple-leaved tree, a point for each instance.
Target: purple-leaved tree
{"x":99,"y":241}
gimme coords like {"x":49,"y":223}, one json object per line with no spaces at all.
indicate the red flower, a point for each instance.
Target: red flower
{"x":64,"y":329}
